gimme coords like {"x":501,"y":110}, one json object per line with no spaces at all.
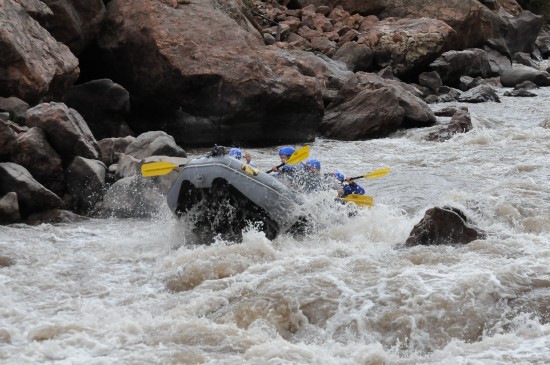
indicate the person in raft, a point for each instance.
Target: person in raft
{"x":349,"y":186}
{"x":235,"y":153}
{"x":284,"y":155}
{"x":248,"y":159}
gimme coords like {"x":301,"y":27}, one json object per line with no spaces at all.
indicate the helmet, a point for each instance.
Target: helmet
{"x":313,"y":163}
{"x":288,"y":150}
{"x":339,"y":175}
{"x":236,"y":153}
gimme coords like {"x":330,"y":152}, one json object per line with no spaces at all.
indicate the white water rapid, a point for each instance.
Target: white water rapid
{"x":120,"y":291}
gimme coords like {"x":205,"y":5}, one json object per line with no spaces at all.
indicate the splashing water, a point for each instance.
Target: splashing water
{"x":136,"y":291}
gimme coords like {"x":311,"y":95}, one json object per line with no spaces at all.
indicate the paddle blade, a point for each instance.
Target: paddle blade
{"x":360,"y":200}
{"x":157,"y":168}
{"x":298,"y":156}
{"x":378,"y":173}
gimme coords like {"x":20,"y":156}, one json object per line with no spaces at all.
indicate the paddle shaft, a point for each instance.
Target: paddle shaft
{"x":278,"y":167}
{"x":296,"y":157}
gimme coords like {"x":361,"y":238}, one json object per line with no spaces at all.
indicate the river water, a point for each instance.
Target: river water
{"x":136,"y":292}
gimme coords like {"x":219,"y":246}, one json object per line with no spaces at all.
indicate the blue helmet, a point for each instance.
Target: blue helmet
{"x":236,"y":153}
{"x":313,"y":163}
{"x":339,"y":175}
{"x":288,"y":150}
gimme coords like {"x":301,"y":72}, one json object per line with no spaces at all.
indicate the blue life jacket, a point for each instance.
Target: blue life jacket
{"x":353,"y":188}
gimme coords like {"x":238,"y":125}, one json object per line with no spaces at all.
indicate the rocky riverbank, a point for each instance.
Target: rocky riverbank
{"x":90,"y":91}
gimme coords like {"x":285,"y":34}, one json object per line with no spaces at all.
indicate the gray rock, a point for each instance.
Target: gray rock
{"x":9,"y":208}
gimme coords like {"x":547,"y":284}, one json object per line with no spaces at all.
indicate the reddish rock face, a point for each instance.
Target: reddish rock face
{"x":33,"y":63}
{"x":194,"y":65}
{"x":392,"y":42}
{"x":472,"y":22}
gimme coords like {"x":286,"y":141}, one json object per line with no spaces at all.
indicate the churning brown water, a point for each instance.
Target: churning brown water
{"x":135,"y":292}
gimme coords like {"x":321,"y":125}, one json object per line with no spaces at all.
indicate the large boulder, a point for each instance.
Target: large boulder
{"x":35,"y":153}
{"x":102,"y":103}
{"x":357,"y":57}
{"x":444,"y":225}
{"x":451,"y":65}
{"x":473,"y":23}
{"x":406,"y":45}
{"x":15,"y":106}
{"x":31,"y":195}
{"x":479,"y":94}
{"x":8,"y":141}
{"x":85,"y":183}
{"x":203,"y":74}
{"x":369,"y":106}
{"x":111,"y":148}
{"x":522,"y":32}
{"x":154,"y":143}
{"x":33,"y":63}
{"x":518,"y":74}
{"x":132,"y":196}
{"x":65,"y":129}
{"x":461,"y":122}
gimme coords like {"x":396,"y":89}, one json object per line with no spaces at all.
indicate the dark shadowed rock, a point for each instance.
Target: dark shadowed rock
{"x":15,"y":106}
{"x":441,"y":226}
{"x":31,"y":195}
{"x":522,"y":32}
{"x":8,"y":141}
{"x":449,"y":111}
{"x":543,"y":43}
{"x":468,"y":82}
{"x":362,"y":115}
{"x":103,"y":104}
{"x":448,"y":94}
{"x":111,"y":148}
{"x":65,"y":128}
{"x":497,"y":61}
{"x":524,"y":59}
{"x":75,"y":23}
{"x":431,"y":80}
{"x":85,"y":183}
{"x":460,"y":123}
{"x":35,"y":153}
{"x":451,"y":65}
{"x":357,"y":57}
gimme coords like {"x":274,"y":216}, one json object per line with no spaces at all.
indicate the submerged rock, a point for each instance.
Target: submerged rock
{"x":445,"y":225}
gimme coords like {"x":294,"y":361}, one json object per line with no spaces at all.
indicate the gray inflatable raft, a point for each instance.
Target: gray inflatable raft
{"x":223,"y":196}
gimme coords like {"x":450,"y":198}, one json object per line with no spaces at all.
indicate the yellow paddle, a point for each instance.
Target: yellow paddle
{"x":373,"y":175}
{"x":299,"y":155}
{"x":157,"y":168}
{"x":359,"y":199}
